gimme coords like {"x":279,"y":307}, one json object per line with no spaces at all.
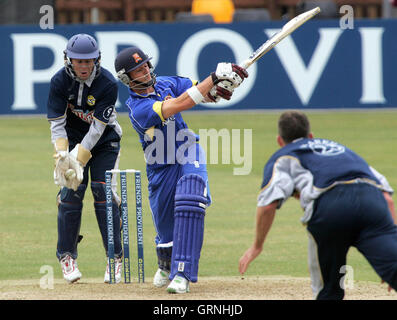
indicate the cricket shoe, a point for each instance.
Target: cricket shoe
{"x":161,"y":278}
{"x":178,"y":285}
{"x":117,"y":268}
{"x":71,"y":272}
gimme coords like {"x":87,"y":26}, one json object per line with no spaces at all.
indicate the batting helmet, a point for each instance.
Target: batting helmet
{"x":81,"y":46}
{"x":130,"y":59}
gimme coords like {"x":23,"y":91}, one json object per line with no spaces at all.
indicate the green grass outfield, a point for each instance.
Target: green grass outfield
{"x":28,"y":215}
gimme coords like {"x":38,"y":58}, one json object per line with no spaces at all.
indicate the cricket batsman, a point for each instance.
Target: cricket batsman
{"x":175,"y":162}
{"x":86,"y":137}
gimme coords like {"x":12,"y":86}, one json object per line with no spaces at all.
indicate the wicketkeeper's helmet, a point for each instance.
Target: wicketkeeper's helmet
{"x":130,"y":59}
{"x":81,"y":46}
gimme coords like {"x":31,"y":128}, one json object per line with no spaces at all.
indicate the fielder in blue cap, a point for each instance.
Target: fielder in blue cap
{"x":346,"y":203}
{"x":86,"y":137}
{"x":176,"y":164}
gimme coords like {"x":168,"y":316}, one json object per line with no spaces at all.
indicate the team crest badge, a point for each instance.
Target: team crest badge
{"x":91,"y":100}
{"x":324,"y":147}
{"x":136,"y":57}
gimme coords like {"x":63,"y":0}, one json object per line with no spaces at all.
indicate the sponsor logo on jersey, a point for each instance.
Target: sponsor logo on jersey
{"x":324,"y":147}
{"x":86,"y":116}
{"x":91,"y":100}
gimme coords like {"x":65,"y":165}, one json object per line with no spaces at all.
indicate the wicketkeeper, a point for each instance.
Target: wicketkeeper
{"x":176,"y":167}
{"x":86,"y":137}
{"x":346,"y":203}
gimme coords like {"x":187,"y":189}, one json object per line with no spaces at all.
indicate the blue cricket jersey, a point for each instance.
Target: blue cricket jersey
{"x":73,"y":106}
{"x":310,"y":167}
{"x":161,"y":138}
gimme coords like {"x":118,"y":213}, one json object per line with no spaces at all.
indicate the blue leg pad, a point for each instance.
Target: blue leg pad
{"x":70,"y":205}
{"x":190,"y":204}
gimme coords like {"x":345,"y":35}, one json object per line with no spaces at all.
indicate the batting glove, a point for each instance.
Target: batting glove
{"x":229,"y":72}
{"x":222,"y":90}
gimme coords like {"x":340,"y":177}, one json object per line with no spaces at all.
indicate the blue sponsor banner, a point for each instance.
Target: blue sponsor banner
{"x":320,"y":66}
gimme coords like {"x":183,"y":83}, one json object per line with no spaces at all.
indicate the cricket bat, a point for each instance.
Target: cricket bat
{"x":287,"y":29}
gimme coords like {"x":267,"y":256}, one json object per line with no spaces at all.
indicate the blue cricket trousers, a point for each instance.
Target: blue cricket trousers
{"x":162,"y":186}
{"x":350,"y":215}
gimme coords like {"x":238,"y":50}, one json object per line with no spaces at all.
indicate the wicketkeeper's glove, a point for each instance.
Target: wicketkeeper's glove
{"x":61,"y":161}
{"x":78,"y":158}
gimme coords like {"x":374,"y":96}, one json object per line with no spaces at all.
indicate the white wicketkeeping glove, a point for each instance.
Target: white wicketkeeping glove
{"x":61,"y":161}
{"x":78,"y":158}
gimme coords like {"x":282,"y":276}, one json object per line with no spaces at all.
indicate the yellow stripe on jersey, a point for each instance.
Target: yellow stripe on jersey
{"x":158,"y":104}
{"x":150,"y":133}
{"x":157,"y":108}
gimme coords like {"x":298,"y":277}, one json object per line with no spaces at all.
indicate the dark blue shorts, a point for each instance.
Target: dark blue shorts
{"x":350,"y":215}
